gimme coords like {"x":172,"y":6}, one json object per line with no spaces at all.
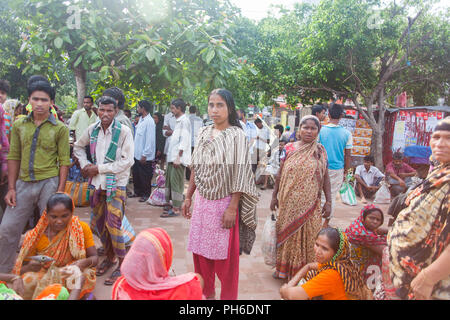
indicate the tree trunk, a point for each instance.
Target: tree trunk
{"x":377,"y":148}
{"x":80,"y":78}
{"x":379,"y":132}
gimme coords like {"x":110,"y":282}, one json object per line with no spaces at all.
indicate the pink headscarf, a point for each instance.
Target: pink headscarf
{"x":148,"y":262}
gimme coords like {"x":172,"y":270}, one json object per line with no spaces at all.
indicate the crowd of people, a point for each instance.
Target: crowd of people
{"x":55,"y":257}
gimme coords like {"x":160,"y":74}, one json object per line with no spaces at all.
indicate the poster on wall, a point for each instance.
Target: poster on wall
{"x":362,"y":135}
{"x":414,"y":128}
{"x":398,"y":141}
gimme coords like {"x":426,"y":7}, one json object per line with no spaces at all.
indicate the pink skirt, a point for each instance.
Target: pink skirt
{"x":207,"y":237}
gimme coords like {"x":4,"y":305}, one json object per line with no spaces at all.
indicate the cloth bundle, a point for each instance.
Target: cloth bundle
{"x":157,"y":197}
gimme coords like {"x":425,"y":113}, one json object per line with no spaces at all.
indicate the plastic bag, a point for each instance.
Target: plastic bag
{"x":269,"y":241}
{"x":347,"y":193}
{"x":383,"y":194}
{"x":157,"y":198}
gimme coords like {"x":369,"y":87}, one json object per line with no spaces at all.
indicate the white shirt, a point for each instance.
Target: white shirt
{"x":370,"y":176}
{"x":196,"y":124}
{"x":169,"y":120}
{"x":180,"y":140}
{"x":264,"y":135}
{"x":145,"y":139}
{"x":124,"y":155}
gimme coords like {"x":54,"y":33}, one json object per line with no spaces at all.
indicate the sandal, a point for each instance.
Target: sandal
{"x":166,"y":208}
{"x":169,"y":214}
{"x":112,"y":279}
{"x":104,"y":266}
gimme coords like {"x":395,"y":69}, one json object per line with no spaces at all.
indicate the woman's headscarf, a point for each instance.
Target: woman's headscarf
{"x":10,"y":106}
{"x":357,"y":233}
{"x":342,"y":263}
{"x":310,"y":117}
{"x":147,"y":264}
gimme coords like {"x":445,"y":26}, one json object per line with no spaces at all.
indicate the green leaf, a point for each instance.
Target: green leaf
{"x":97,"y":64}
{"x":150,"y":54}
{"x":91,"y":43}
{"x":23,"y":47}
{"x":186,"y":82}
{"x":78,"y":61}
{"x":210,"y":55}
{"x":66,"y":38}
{"x":143,"y":37}
{"x":58,"y":42}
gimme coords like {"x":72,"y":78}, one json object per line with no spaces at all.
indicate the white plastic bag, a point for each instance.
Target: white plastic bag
{"x":269,"y":241}
{"x":383,"y":194}
{"x":347,"y":193}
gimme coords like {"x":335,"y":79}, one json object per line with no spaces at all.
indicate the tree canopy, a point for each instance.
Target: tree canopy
{"x":365,"y":50}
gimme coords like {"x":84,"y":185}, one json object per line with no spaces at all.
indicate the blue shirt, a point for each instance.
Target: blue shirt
{"x":250,"y":130}
{"x":145,"y":139}
{"x":335,"y":139}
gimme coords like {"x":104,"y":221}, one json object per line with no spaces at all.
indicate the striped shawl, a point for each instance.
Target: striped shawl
{"x":222,"y":167}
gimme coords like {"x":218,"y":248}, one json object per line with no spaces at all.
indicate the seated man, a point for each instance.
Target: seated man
{"x":368,"y":178}
{"x":399,"y":174}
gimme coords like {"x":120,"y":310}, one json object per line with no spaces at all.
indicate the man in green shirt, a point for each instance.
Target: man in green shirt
{"x":38,"y":164}
{"x":83,"y":118}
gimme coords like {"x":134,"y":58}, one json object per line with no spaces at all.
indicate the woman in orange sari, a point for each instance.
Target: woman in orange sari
{"x":62,"y":237}
{"x":303,"y":175}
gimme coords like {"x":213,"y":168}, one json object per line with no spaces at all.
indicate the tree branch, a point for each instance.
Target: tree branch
{"x":323,"y":88}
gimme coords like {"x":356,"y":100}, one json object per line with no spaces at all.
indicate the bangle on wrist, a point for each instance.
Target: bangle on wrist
{"x":17,"y":277}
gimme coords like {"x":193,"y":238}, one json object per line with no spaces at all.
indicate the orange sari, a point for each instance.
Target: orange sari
{"x":66,"y":247}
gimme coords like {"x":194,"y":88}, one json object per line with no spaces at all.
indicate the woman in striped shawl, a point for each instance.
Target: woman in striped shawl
{"x":223,"y":219}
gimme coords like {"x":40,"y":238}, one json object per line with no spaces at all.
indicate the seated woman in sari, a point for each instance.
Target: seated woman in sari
{"x":367,"y":239}
{"x":145,"y":272}
{"x":63,"y":237}
{"x":332,"y":276}
{"x":419,"y":240}
{"x":302,"y":177}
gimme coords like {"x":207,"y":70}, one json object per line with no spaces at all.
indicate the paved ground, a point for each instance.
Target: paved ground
{"x":255,"y":279}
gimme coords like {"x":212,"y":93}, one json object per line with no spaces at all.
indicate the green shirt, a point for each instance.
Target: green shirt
{"x":80,"y":121}
{"x":40,"y":150}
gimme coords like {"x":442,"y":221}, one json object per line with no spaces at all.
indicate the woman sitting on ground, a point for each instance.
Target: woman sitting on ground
{"x":368,"y":239}
{"x":332,"y":277}
{"x":145,"y":272}
{"x":63,"y":237}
